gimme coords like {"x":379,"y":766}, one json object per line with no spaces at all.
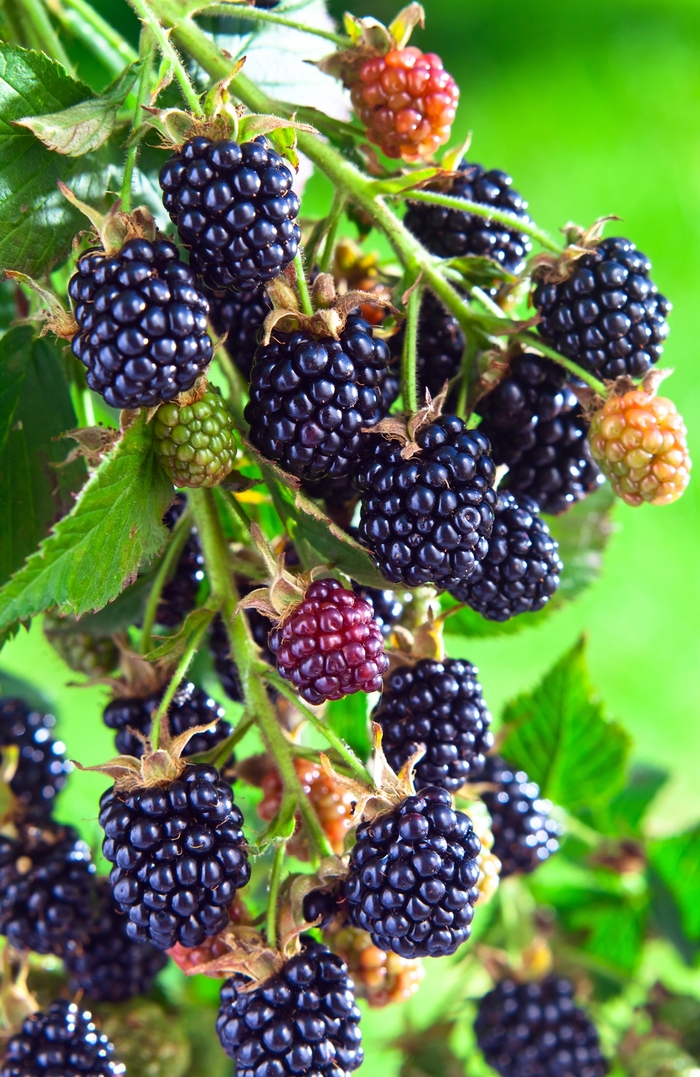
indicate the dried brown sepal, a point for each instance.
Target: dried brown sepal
{"x":248,"y":954}
{"x":16,"y":1000}
{"x":329,"y":321}
{"x":284,"y":591}
{"x":551,"y":268}
{"x":114,"y":228}
{"x":56,"y":319}
{"x":534,"y":962}
{"x":591,"y":402}
{"x":93,"y":443}
{"x":424,"y":641}
{"x":191,"y":396}
{"x":405,"y":429}
{"x":624,"y":857}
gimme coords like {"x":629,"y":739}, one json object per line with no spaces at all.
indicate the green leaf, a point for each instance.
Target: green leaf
{"x":168,"y":648}
{"x":95,"y":551}
{"x":614,"y":931}
{"x":625,"y":813}
{"x":562,"y":738}
{"x":476,"y":270}
{"x":677,"y":862}
{"x":349,"y":718}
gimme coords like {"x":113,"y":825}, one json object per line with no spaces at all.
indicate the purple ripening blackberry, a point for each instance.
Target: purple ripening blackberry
{"x":608,"y":316}
{"x":234,"y":208}
{"x":191,"y":706}
{"x":239,"y":317}
{"x":41,"y":764}
{"x":63,"y":1040}
{"x":524,"y":834}
{"x":142,"y":323}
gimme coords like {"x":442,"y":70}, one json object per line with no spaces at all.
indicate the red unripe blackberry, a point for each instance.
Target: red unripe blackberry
{"x":524,"y":835}
{"x":439,"y":705}
{"x":333,"y":805}
{"x":142,"y":323}
{"x":330,"y":645}
{"x":428,"y":519}
{"x":64,"y":1041}
{"x":46,"y":886}
{"x":407,"y":102}
{"x":304,"y":1022}
{"x":234,"y":208}
{"x":608,"y":316}
{"x":191,"y":706}
{"x":536,"y":427}
{"x":387,"y":606}
{"x":413,"y":877}
{"x":109,"y":966}
{"x":41,"y":765}
{"x":536,"y":1030}
{"x":455,"y":233}
{"x":179,"y":595}
{"x":239,"y":317}
{"x":179,"y":856}
{"x":311,"y":398}
{"x":520,"y":573}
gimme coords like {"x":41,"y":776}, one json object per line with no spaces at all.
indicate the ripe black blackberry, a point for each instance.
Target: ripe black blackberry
{"x":179,"y":856}
{"x":536,"y":1030}
{"x":608,"y":316}
{"x":520,"y":573}
{"x":109,"y":966}
{"x":310,"y":399}
{"x":388,"y":607}
{"x":524,"y":835}
{"x":451,"y":233}
{"x":428,"y":519}
{"x":326,"y":904}
{"x":220,"y":648}
{"x":45,"y":888}
{"x":64,"y":1041}
{"x":239,"y":316}
{"x":413,"y":877}
{"x":234,"y":208}
{"x":304,"y":1022}
{"x":191,"y":706}
{"x":537,"y":428}
{"x":441,"y":345}
{"x":179,"y":595}
{"x":142,"y":323}
{"x":439,"y":705}
{"x":41,"y":765}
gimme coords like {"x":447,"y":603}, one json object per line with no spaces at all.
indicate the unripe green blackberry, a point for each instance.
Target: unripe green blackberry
{"x":195,"y":443}
{"x":83,"y":653}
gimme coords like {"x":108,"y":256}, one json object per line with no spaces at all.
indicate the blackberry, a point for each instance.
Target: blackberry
{"x":266,"y":3}
{"x":441,"y":344}
{"x":111,"y":967}
{"x":333,"y":805}
{"x":304,"y":1022}
{"x":428,"y":519}
{"x":45,"y":888}
{"x":439,"y":705}
{"x":179,"y":856}
{"x":413,"y":877}
{"x":82,"y":652}
{"x":191,"y":706}
{"x":239,"y":316}
{"x":234,"y":208}
{"x":195,"y":442}
{"x":311,"y":398}
{"x":520,"y":573}
{"x":142,"y":323}
{"x":330,"y":646}
{"x":455,"y":233}
{"x":537,"y":428}
{"x":524,"y":835}
{"x":387,"y":606}
{"x":608,"y":316}
{"x":536,"y":1030}
{"x":221,"y":650}
{"x":326,"y":904}
{"x":64,"y":1041}
{"x":41,"y":765}
{"x":179,"y":595}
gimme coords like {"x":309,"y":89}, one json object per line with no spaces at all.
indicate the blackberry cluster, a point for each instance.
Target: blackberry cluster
{"x":109,"y":966}
{"x":64,"y":1041}
{"x":524,"y":835}
{"x":428,"y":519}
{"x":520,"y":573}
{"x":387,"y":606}
{"x":537,"y":428}
{"x":179,"y":595}
{"x":45,"y":888}
{"x":142,"y":323}
{"x":310,"y":399}
{"x":303,"y":1022}
{"x":41,"y":766}
{"x":234,"y":208}
{"x":413,"y":877}
{"x":220,"y":648}
{"x":441,"y":706}
{"x":455,"y":233}
{"x":608,"y":316}
{"x":239,"y":317}
{"x":536,"y":1030}
{"x":191,"y":706}
{"x":179,"y":856}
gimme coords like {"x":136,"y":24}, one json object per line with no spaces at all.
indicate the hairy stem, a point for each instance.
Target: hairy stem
{"x":503,"y":216}
{"x":145,"y":11}
{"x":252,"y":14}
{"x":333,"y":221}
{"x":302,"y":286}
{"x":275,"y":880}
{"x":409,"y":353}
{"x":181,"y":533}
{"x":177,"y":679}
{"x":147,"y":48}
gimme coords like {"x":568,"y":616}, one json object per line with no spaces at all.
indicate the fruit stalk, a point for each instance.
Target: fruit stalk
{"x":409,"y":354}
{"x":147,"y":49}
{"x":145,"y":13}
{"x":181,"y":533}
{"x":275,"y":880}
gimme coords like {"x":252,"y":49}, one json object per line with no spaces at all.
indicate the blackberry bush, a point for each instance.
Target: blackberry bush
{"x":63,"y":1040}
{"x":41,"y":764}
{"x":524,"y":835}
{"x":191,"y":706}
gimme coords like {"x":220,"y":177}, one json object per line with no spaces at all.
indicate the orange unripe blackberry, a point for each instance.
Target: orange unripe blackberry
{"x":188,"y":957}
{"x":407,"y":102}
{"x":332,"y":804}
{"x":379,"y":977}
{"x":639,"y":441}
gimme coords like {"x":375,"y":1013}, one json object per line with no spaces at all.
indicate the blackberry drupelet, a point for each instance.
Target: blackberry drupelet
{"x":142,"y":323}
{"x":191,"y":706}
{"x":608,"y":316}
{"x":520,"y":573}
{"x":387,"y":606}
{"x":311,"y":398}
{"x":239,"y":317}
{"x":179,"y":595}
{"x":234,"y":208}
{"x":266,"y":3}
{"x":109,"y":966}
{"x":536,"y":427}
{"x":428,"y":519}
{"x":64,"y":1041}
{"x":455,"y":233}
{"x":45,"y":888}
{"x":439,"y":705}
{"x":536,"y":1030}
{"x":179,"y":856}
{"x":524,"y":835}
{"x":304,"y":1022}
{"x":413,"y":877}
{"x":41,"y":765}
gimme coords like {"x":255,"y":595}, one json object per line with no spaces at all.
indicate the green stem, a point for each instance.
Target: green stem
{"x":236,"y":383}
{"x":181,"y":533}
{"x":250,"y":14}
{"x":302,"y":286}
{"x":145,"y":11}
{"x":539,"y":345}
{"x":45,"y":33}
{"x":333,"y":221}
{"x":409,"y":353}
{"x":147,"y":48}
{"x":177,"y":679}
{"x":275,"y":880}
{"x":503,"y":216}
{"x":95,"y":31}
